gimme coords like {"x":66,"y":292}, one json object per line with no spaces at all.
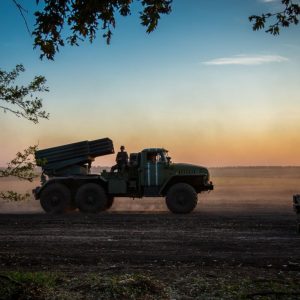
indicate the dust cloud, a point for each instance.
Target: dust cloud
{"x":240,"y":189}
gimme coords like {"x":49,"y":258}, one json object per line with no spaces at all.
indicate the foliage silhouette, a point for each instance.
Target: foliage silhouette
{"x":84,"y":18}
{"x":288,"y":16}
{"x":23,"y":102}
{"x":22,"y":167}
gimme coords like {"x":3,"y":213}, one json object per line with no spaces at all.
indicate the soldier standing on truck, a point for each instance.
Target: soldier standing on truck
{"x":121,"y":160}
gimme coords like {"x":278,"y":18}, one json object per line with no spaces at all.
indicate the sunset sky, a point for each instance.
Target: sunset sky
{"x":203,"y":85}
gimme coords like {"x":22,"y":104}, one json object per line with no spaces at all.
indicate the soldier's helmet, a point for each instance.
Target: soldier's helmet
{"x":122,"y":147}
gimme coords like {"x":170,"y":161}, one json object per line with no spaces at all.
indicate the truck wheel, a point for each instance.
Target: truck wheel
{"x":110,"y":202}
{"x":181,"y":198}
{"x":91,"y":198}
{"x":55,"y":198}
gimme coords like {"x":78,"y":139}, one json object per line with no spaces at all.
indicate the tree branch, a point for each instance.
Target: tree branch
{"x":22,"y":97}
{"x":21,"y":10}
{"x":283,"y":18}
{"x":85,"y":18}
{"x":21,"y":167}
{"x":13,"y":196}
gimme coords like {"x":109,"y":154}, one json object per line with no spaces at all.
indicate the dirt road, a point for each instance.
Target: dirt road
{"x":240,"y":243}
{"x":123,"y":240}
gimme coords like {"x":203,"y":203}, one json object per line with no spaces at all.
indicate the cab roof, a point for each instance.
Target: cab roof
{"x":154,"y":150}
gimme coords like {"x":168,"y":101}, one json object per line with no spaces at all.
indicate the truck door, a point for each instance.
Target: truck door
{"x":153,"y":170}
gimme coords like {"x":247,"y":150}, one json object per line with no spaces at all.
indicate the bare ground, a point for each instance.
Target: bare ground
{"x":148,"y":240}
{"x":218,"y":247}
{"x":240,"y":234}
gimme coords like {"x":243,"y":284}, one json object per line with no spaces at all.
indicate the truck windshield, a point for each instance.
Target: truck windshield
{"x":162,"y":156}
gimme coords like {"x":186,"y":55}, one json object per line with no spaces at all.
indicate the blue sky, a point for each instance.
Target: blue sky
{"x":203,"y":85}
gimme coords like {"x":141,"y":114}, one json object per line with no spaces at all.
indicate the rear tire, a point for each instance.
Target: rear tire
{"x":181,"y":198}
{"x":91,"y":198}
{"x":55,"y":198}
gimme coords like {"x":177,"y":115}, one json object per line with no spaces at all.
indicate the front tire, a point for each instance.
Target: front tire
{"x":91,"y":198}
{"x":55,"y":198}
{"x":181,"y":198}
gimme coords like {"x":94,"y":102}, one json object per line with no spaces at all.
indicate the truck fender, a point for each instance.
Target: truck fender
{"x":37,"y":191}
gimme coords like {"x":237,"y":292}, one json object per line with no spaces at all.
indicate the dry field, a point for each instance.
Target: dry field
{"x":240,"y":243}
{"x":237,"y":190}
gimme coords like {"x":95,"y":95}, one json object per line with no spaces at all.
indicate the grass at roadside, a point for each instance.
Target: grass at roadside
{"x":36,"y":286}
{"x":26,"y":285}
{"x":45,"y":285}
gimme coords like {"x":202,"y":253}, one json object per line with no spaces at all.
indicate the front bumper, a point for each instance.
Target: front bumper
{"x":209,"y":186}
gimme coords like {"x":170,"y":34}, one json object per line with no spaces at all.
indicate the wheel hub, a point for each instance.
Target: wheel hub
{"x":90,"y":199}
{"x":55,"y":200}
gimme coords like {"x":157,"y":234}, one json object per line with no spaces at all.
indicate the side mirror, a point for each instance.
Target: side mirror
{"x":168,"y":159}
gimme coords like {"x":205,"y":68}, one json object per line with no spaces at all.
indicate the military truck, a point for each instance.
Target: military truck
{"x":67,"y":182}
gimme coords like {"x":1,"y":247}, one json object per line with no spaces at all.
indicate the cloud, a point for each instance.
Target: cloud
{"x":246,"y":60}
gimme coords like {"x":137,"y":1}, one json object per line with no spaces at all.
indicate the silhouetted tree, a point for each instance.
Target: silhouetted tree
{"x":22,"y":101}
{"x":289,"y":15}
{"x":22,"y":167}
{"x":83,"y":18}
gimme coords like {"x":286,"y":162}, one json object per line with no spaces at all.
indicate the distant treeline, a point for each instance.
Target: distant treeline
{"x":257,"y":171}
